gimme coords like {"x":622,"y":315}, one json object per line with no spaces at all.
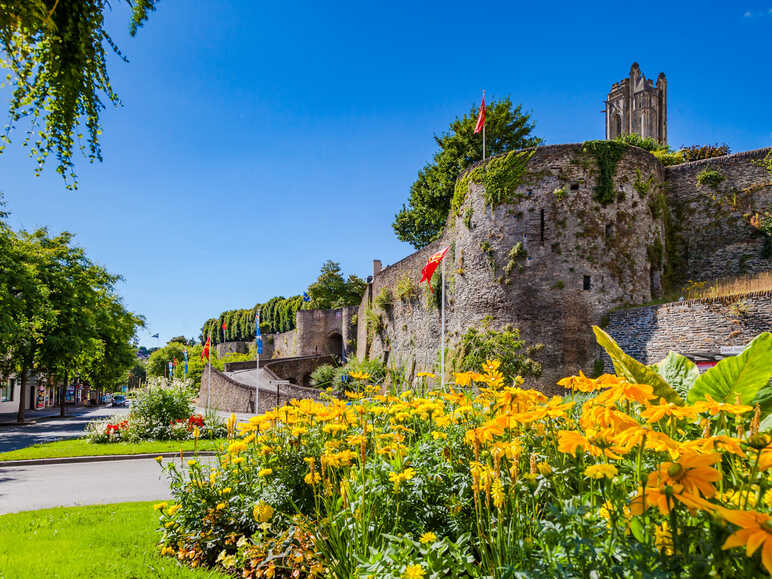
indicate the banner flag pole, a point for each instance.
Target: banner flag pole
{"x":209,"y":355}
{"x":258,"y":350}
{"x":483,"y":131}
{"x":442,"y":331}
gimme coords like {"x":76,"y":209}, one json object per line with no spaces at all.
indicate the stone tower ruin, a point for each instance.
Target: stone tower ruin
{"x":636,"y":105}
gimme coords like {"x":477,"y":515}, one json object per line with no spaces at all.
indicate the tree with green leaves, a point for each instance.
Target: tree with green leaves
{"x":331,"y":291}
{"x":56,"y":53}
{"x":507,"y":129}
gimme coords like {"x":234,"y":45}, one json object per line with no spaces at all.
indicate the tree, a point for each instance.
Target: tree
{"x":331,"y":291}
{"x":56,"y":51}
{"x":63,"y":315}
{"x":507,"y":128}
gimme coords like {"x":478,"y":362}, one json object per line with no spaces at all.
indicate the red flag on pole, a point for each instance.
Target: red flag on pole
{"x":431,"y":265}
{"x":224,"y":326}
{"x":174,"y":363}
{"x":205,"y":351}
{"x":481,"y":117}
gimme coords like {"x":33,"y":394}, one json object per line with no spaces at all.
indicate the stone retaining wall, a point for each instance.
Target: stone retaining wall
{"x":648,"y":333}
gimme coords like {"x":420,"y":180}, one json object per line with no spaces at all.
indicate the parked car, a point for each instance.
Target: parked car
{"x":120,"y":400}
{"x":107,"y":399}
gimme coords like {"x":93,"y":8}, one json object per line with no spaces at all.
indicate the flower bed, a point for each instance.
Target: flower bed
{"x":611,"y":480}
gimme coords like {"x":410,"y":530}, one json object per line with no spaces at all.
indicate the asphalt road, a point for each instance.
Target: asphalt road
{"x":26,"y":488}
{"x":52,"y":429}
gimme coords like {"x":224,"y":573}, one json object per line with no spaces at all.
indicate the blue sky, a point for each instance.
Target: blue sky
{"x":257,"y":140}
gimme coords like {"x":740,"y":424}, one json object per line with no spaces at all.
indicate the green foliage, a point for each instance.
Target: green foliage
{"x":745,"y":376}
{"x":276,"y":315}
{"x":384,"y":299}
{"x":66,"y":316}
{"x":710,"y":178}
{"x":57,"y":52}
{"x":468,"y":217}
{"x":374,"y":322}
{"x":477,"y":346}
{"x":406,"y":290}
{"x":499,"y":176}
{"x":517,"y":254}
{"x":331,"y":291}
{"x":157,"y":405}
{"x":559,"y":193}
{"x":647,"y":144}
{"x":423,"y":219}
{"x":324,"y":376}
{"x":632,"y":370}
{"x":678,"y":371}
{"x":643,"y":187}
{"x":607,"y":154}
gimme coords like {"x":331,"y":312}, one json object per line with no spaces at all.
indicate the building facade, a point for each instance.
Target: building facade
{"x":636,"y":105}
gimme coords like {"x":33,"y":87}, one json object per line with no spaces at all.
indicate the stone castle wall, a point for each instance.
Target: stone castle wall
{"x":648,"y":333}
{"x":572,"y":242}
{"x":713,"y":236}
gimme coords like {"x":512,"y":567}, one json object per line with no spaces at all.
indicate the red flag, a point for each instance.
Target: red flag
{"x":224,"y":325}
{"x":174,"y":363}
{"x":481,"y":117}
{"x":431,"y":265}
{"x":205,"y":351}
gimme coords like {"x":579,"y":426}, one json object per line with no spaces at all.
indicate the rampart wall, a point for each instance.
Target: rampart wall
{"x":648,"y":333}
{"x":712,"y":234}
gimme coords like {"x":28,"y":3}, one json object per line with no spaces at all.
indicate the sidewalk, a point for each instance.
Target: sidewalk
{"x":32,"y":416}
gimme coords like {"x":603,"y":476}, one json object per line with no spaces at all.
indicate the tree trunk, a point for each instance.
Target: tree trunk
{"x":22,"y":396}
{"x":63,"y":394}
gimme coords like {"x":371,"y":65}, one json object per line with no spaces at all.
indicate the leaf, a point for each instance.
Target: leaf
{"x":678,"y":371}
{"x":746,"y":375}
{"x":634,"y":371}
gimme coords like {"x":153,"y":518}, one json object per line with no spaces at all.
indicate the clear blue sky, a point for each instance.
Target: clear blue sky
{"x":258,"y":139}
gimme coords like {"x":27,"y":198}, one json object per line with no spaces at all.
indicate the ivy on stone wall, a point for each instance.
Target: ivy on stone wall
{"x":499,"y":176}
{"x":276,"y":315}
{"x":607,"y":154}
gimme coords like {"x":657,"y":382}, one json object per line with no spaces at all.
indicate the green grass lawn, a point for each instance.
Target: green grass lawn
{"x":82,"y":447}
{"x":97,"y":541}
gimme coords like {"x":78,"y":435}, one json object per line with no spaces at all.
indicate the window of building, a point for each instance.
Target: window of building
{"x":574,"y":186}
{"x":541,"y":225}
{"x":609,"y":230}
{"x":6,"y":390}
{"x":587,"y":283}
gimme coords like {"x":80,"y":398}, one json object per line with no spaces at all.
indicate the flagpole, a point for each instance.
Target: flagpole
{"x":483,"y":131}
{"x":442,"y":330}
{"x":257,"y":363}
{"x":209,"y":390}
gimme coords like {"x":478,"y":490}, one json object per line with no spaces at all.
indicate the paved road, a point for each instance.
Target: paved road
{"x":50,"y":430}
{"x":26,"y":488}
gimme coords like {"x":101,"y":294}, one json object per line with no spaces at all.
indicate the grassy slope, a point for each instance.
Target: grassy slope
{"x":81,"y":447}
{"x":97,"y":541}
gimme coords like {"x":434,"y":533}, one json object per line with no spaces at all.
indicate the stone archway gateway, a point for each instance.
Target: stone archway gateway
{"x":335,"y":344}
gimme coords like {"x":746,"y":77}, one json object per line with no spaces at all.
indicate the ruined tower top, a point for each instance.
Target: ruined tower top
{"x":636,"y":105}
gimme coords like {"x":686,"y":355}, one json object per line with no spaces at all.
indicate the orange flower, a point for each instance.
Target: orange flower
{"x":657,"y":412}
{"x":755,"y":531}
{"x":569,"y":441}
{"x":640,"y":393}
{"x":658,"y":497}
{"x":692,"y":471}
{"x":580,"y":383}
{"x":713,"y":407}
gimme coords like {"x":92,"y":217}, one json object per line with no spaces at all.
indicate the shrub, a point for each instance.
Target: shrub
{"x":710,"y":178}
{"x":699,"y":152}
{"x":477,"y":346}
{"x":383,"y":299}
{"x":324,"y":376}
{"x":406,"y":290}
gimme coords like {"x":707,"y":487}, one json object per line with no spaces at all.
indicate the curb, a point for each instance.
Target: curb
{"x":104,"y":458}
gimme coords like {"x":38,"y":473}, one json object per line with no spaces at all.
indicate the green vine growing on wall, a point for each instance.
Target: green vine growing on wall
{"x":607,"y":154}
{"x":499,"y":176}
{"x":710,"y":178}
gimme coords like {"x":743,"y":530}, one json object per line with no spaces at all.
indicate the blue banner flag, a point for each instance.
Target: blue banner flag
{"x":171,"y":369}
{"x":259,"y":345}
{"x":185,"y":355}
{"x":306,"y":298}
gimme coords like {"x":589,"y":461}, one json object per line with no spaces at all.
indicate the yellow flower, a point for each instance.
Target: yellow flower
{"x":238,"y":460}
{"x":196,"y":432}
{"x":428,"y":537}
{"x":712,"y":407}
{"x":159,"y":459}
{"x":262,"y":512}
{"x":264,"y":471}
{"x":598,"y":471}
{"x":425,"y":375}
{"x":497,"y":491}
{"x":191,"y":462}
{"x":173,"y":509}
{"x":436,"y":435}
{"x":220,"y":506}
{"x":755,"y":531}
{"x":580,"y":383}
{"x":397,"y":478}
{"x":663,"y":538}
{"x":544,"y":468}
{"x":414,"y":572}
{"x":312,"y":478}
{"x":359,"y":375}
{"x":160,"y":506}
{"x":463,"y":378}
